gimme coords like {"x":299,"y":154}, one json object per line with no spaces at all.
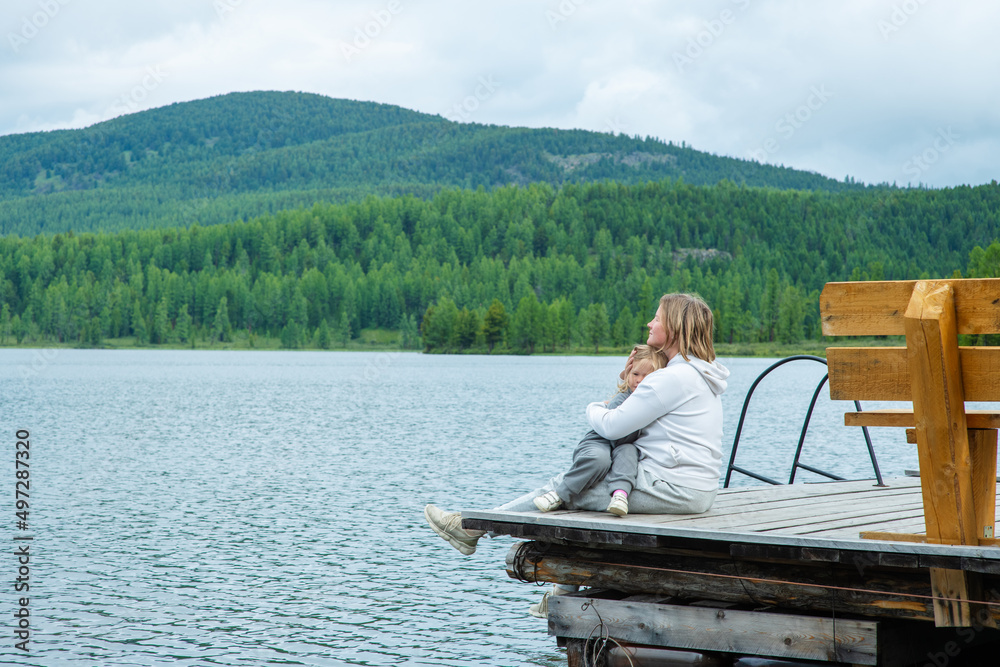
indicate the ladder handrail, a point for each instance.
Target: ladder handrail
{"x":796,"y":464}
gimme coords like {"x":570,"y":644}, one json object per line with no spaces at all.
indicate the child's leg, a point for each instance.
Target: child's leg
{"x":591,"y":462}
{"x":624,"y":468}
{"x":622,"y":478}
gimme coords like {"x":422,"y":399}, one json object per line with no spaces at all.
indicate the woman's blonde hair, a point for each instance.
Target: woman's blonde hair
{"x":688,"y":320}
{"x":646,"y":355}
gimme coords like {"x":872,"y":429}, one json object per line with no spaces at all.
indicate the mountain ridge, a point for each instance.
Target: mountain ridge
{"x":237,"y":152}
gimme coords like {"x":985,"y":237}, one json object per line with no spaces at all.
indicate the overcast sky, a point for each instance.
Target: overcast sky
{"x":900,"y":91}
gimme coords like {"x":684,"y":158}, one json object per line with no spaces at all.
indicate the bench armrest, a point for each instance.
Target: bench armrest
{"x":980,"y":419}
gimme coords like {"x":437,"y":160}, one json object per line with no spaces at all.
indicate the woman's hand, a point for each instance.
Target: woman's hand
{"x":628,"y":366}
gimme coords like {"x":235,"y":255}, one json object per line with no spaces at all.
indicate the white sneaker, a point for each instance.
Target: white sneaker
{"x":540,"y":609}
{"x":449,"y":526}
{"x":548,"y":502}
{"x":619,"y":504}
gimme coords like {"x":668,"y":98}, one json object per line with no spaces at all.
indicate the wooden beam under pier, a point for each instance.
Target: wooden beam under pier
{"x":647,"y":630}
{"x":715,"y":629}
{"x":859,"y":588}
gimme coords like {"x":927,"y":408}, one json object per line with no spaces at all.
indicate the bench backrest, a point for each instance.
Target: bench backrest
{"x":957,"y":465}
{"x":880,"y":309}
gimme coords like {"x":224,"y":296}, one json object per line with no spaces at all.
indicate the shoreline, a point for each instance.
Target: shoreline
{"x":730,"y":350}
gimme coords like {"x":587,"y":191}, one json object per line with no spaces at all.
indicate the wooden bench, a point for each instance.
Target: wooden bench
{"x":957,"y":449}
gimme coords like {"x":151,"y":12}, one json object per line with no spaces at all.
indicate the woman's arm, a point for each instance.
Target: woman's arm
{"x":641,"y":409}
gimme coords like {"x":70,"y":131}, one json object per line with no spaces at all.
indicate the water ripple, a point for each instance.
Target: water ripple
{"x":227,"y":508}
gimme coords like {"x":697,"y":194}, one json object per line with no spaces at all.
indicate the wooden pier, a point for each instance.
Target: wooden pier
{"x":907,"y":573}
{"x":776,"y":571}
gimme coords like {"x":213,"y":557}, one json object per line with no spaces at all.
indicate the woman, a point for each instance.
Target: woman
{"x":679,"y":410}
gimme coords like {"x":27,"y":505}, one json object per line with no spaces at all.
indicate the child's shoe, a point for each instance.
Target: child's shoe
{"x":548,"y":502}
{"x":619,"y":503}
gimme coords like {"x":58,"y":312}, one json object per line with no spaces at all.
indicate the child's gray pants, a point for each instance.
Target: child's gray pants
{"x":651,"y":495}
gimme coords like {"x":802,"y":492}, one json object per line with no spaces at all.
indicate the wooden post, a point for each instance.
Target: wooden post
{"x":939,"y":411}
{"x":983,"y":449}
{"x":942,"y":440}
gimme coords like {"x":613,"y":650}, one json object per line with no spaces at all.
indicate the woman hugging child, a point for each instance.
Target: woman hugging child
{"x":677,"y":413}
{"x":595,"y":454}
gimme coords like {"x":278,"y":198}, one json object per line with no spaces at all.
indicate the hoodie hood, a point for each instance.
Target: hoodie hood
{"x":713,"y":372}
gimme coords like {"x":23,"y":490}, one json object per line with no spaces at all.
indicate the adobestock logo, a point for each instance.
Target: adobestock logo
{"x":791,"y":122}
{"x":616,"y":125}
{"x":130,"y":101}
{"x":899,"y":17}
{"x":566,"y":9}
{"x":31,"y":26}
{"x":463,"y":110}
{"x":223,"y":8}
{"x":919,"y":164}
{"x":363,"y":35}
{"x":710,"y":33}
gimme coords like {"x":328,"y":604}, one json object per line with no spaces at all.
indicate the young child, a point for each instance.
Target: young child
{"x":624,"y":454}
{"x":590,"y":458}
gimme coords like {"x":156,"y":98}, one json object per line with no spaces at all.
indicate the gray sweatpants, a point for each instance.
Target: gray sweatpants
{"x":650,"y":496}
{"x":624,"y":468}
{"x":597,"y":458}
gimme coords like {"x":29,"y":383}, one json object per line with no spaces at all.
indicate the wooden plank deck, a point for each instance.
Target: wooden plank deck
{"x":827,"y":515}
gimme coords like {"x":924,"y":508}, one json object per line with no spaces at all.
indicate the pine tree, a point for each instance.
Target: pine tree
{"x":409,"y":333}
{"x":467,"y":328}
{"x":770,"y":305}
{"x":985,"y":264}
{"x":790,"y":316}
{"x":139,"y":329}
{"x":161,"y":324}
{"x":494,"y":324}
{"x":528,"y":324}
{"x":104,"y":322}
{"x":564,"y":322}
{"x":323,"y":336}
{"x":17,"y":329}
{"x":344,"y":329}
{"x":5,"y":324}
{"x":222,"y":330}
{"x":289,"y":336}
{"x":183,"y":328}
{"x":594,"y":324}
{"x":621,"y":332}
{"x":438,"y":326}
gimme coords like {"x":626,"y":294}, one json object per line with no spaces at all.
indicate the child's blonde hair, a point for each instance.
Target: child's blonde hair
{"x":688,"y":321}
{"x":647,"y":356}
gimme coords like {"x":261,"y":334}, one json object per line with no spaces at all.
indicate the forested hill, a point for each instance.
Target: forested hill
{"x":518,"y":268}
{"x":242,"y":155}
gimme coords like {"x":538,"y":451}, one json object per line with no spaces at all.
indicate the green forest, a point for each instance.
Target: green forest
{"x":512,"y":268}
{"x":245,"y":155}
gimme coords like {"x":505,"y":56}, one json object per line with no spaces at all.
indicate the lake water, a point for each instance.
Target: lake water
{"x":255,"y":508}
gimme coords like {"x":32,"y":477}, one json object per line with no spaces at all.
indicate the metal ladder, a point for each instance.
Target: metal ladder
{"x":796,"y":464}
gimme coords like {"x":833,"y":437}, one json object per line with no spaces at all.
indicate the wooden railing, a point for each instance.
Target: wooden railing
{"x":957,"y":449}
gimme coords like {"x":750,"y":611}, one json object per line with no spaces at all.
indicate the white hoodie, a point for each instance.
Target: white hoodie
{"x":679,"y":410}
